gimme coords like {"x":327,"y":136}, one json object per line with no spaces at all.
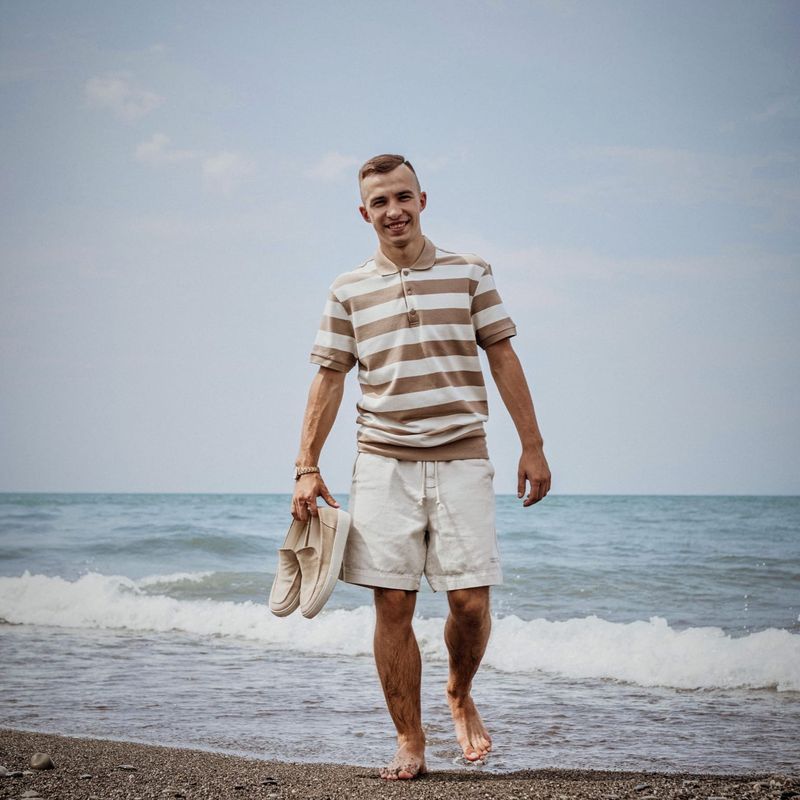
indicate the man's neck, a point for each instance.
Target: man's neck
{"x":404,"y":256}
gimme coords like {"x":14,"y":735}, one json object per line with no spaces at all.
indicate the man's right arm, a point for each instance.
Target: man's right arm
{"x":324,"y":399}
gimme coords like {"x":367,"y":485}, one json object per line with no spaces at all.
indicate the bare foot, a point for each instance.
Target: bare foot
{"x":470,"y":731}
{"x":408,"y":762}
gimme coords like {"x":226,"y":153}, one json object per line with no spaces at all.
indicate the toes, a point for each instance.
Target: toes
{"x":477,"y":751}
{"x":471,"y":753}
{"x":402,"y":772}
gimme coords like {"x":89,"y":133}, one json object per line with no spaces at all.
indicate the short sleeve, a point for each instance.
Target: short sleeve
{"x":489,"y":318}
{"x":335,"y":345}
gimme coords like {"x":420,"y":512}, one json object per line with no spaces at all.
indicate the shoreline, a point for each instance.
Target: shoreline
{"x":96,"y":769}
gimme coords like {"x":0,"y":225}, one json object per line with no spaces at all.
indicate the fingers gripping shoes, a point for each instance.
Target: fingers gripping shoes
{"x":309,"y":563}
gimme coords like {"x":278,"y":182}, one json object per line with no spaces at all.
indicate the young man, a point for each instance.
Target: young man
{"x":413,"y":317}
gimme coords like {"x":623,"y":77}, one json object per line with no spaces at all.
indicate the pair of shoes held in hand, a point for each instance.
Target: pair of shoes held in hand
{"x":309,"y":563}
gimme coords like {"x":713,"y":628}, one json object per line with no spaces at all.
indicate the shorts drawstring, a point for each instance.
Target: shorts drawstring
{"x":424,"y":490}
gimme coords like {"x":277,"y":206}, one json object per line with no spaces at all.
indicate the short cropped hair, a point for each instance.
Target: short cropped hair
{"x":384,"y":163}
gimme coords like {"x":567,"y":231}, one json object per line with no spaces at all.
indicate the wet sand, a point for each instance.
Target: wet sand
{"x":93,"y":769}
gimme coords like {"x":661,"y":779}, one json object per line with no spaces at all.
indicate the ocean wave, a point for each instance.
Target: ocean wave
{"x":173,"y":578}
{"x":176,"y":538}
{"x":646,"y":653}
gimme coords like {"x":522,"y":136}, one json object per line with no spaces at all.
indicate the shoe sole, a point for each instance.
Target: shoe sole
{"x":286,"y":610}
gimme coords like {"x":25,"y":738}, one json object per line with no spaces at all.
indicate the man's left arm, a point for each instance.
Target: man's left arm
{"x":510,"y":379}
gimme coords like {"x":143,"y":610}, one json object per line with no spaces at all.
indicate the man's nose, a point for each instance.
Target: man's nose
{"x":393,"y":211}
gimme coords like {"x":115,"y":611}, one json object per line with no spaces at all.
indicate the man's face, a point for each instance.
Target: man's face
{"x":392,"y":203}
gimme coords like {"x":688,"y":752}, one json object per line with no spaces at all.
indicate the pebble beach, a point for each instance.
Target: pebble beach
{"x":95,"y":769}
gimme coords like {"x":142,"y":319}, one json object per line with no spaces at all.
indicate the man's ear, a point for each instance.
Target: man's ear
{"x":364,"y":214}
{"x":423,"y":200}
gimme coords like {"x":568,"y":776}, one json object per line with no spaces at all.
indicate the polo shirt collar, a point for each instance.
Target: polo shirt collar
{"x":425,"y":260}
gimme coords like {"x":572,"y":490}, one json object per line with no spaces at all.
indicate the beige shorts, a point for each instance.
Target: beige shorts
{"x":415,"y":517}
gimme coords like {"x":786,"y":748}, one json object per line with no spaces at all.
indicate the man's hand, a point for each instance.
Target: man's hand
{"x":533,"y":469}
{"x":306,"y":491}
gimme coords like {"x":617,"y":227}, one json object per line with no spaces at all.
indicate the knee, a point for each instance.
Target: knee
{"x":470,"y":606}
{"x":395,"y":606}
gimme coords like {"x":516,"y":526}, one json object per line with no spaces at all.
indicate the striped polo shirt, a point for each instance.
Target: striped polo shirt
{"x":415,"y":334}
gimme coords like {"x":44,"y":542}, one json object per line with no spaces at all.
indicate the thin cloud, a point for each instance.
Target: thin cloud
{"x":121,"y":96}
{"x":333,"y":166}
{"x":157,"y":150}
{"x":226,"y":170}
{"x":221,"y":172}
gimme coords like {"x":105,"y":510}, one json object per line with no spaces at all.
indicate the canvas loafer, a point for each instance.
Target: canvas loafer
{"x":309,"y":563}
{"x":320,"y":559}
{"x":285,"y":595}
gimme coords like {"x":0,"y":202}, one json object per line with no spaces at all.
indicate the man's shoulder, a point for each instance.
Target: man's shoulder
{"x":449,"y":258}
{"x":364,"y":271}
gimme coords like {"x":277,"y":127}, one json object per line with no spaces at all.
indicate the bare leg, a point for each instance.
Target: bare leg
{"x":466,"y":635}
{"x":400,"y":670}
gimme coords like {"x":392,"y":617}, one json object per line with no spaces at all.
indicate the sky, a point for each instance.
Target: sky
{"x":178,"y":188}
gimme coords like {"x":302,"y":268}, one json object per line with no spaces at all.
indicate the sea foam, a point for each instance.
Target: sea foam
{"x":646,"y":653}
{"x":173,"y":577}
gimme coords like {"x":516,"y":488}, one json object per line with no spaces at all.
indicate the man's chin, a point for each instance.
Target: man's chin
{"x":397,"y":241}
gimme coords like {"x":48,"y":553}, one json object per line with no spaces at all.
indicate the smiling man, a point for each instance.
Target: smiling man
{"x":422,"y":502}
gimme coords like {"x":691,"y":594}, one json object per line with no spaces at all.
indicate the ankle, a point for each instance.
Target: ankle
{"x":458,"y":695}
{"x":414,"y":740}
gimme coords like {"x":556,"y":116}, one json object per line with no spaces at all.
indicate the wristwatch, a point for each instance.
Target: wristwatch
{"x":300,"y":471}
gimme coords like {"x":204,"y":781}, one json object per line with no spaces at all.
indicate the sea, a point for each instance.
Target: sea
{"x":632,"y":633}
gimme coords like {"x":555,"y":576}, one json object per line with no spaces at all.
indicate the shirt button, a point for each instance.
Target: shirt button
{"x":410,"y":290}
{"x":412,"y":312}
{"x":406,"y":272}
